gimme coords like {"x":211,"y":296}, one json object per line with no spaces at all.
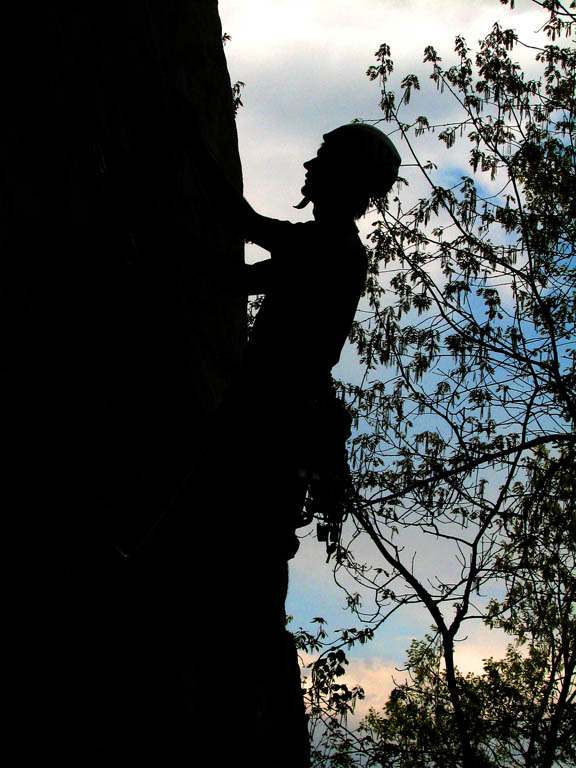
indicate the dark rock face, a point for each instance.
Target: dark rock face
{"x":112,"y":242}
{"x":116,"y":351}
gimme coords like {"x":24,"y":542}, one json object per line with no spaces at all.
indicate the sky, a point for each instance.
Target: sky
{"x":304,"y":64}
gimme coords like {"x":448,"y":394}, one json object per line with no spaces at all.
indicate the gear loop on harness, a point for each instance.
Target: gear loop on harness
{"x":323,"y":466}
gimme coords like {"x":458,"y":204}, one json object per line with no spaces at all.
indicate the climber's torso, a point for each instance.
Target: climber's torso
{"x":312,"y":284}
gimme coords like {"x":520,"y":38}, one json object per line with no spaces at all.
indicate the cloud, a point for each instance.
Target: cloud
{"x":304,"y":65}
{"x":379,"y":675}
{"x":479,"y":644}
{"x":374,"y":676}
{"x":272,"y":30}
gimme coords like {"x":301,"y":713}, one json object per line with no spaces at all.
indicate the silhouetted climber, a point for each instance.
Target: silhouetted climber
{"x":312,"y":284}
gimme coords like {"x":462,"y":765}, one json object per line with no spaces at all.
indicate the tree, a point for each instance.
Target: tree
{"x":521,"y":711}
{"x":467,"y":345}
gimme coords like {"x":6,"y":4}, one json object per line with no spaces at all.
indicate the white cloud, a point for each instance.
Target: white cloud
{"x":272,"y":30}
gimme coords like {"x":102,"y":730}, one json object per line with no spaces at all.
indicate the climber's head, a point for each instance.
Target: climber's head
{"x":355,"y":163}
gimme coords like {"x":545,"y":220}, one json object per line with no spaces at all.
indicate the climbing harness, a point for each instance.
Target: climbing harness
{"x":325,"y":468}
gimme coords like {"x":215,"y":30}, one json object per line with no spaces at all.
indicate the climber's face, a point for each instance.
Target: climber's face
{"x":321,"y":173}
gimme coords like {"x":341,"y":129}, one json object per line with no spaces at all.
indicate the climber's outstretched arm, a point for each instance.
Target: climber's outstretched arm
{"x":266,"y":232}
{"x":254,"y":227}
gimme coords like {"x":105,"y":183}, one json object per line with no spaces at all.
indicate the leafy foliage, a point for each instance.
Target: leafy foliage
{"x":522,"y":709}
{"x":329,"y":699}
{"x":237,"y":86}
{"x":465,"y":415}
